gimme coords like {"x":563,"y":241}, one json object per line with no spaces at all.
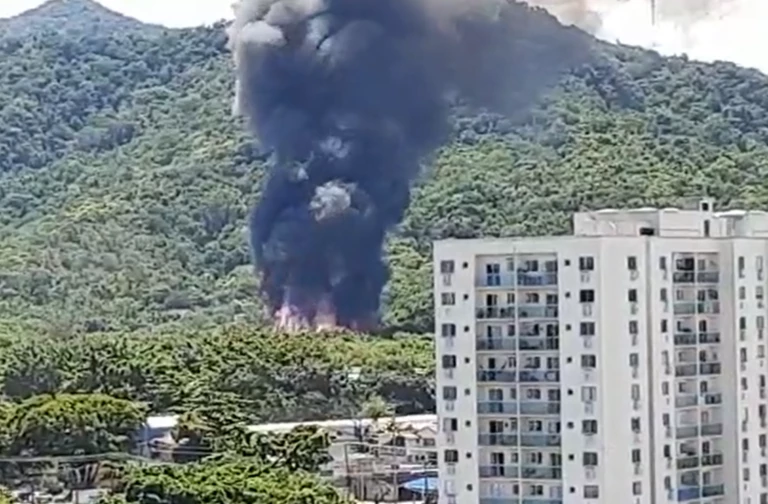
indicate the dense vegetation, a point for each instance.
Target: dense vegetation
{"x":250,"y":374}
{"x":127,"y":182}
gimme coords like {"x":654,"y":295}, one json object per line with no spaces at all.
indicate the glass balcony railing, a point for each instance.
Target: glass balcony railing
{"x":710,"y":368}
{"x":525,"y":279}
{"x":687,"y":432}
{"x":537,"y":311}
{"x":687,"y":494}
{"x":693,"y":307}
{"x":539,"y":408}
{"x":709,"y":338}
{"x":496,"y":344}
{"x":685,"y":370}
{"x":712,"y":430}
{"x":712,"y":460}
{"x":703,"y":277}
{"x":499,"y":471}
{"x":690,"y":338}
{"x":498,"y":439}
{"x":686,"y":401}
{"x":713,"y":490}
{"x":541,"y":472}
{"x":687,"y":462}
{"x":540,"y":343}
{"x":685,"y":339}
{"x":497,"y":376}
{"x":495,"y":312}
{"x":714,"y":398}
{"x":539,"y":376}
{"x":501,"y":407}
{"x":540,"y":440}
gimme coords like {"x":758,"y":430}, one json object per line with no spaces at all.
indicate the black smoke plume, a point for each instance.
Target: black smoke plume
{"x":349,"y":97}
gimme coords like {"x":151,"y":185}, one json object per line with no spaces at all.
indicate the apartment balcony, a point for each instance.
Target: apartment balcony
{"x":690,"y":462}
{"x":542,"y":500}
{"x":715,"y":459}
{"x":496,"y":344}
{"x":713,"y":398}
{"x":540,"y":344}
{"x":538,"y":311}
{"x":499,"y":471}
{"x":683,"y":339}
{"x":498,"y":439}
{"x":495,"y":313}
{"x":499,"y":500}
{"x":533,"y":440}
{"x":709,"y":338}
{"x":702,"y":277}
{"x":541,"y":472}
{"x":690,"y":338}
{"x":712,"y":430}
{"x":534,"y":279}
{"x":685,"y":370}
{"x":539,"y":376}
{"x":713,"y":490}
{"x":500,"y":407}
{"x":497,"y":376}
{"x":693,"y":307}
{"x":688,"y":431}
{"x":710,"y":368}
{"x":539,"y":408}
{"x":686,"y":401}
{"x":689,"y":493}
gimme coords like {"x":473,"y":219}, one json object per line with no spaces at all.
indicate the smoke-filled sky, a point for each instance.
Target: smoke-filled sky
{"x":732,"y":30}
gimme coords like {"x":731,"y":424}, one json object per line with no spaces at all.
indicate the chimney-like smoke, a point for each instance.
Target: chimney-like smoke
{"x":349,"y":97}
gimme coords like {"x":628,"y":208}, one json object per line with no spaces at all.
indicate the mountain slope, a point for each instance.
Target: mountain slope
{"x":75,"y":17}
{"x":127,"y":181}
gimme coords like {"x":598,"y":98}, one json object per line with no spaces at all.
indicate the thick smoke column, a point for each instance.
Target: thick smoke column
{"x":348,"y":97}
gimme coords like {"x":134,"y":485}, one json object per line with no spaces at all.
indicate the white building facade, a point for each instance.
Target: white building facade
{"x":624,"y":364}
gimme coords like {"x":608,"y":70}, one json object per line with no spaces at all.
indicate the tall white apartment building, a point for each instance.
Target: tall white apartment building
{"x":625,"y":364}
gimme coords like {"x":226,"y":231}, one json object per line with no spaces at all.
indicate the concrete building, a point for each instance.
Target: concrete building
{"x":622,"y":364}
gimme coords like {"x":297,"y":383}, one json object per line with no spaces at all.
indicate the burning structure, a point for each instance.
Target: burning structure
{"x":348,"y":97}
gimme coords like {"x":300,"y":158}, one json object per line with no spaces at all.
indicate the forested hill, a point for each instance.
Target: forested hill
{"x":126,"y":180}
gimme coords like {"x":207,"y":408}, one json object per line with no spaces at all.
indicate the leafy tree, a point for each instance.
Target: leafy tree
{"x":229,"y":481}
{"x":73,"y":425}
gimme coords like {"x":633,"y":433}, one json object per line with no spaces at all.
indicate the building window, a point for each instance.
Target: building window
{"x":448,"y":299}
{"x":663,"y":263}
{"x":634,"y":360}
{"x":665,"y":388}
{"x":742,"y":293}
{"x":586,"y":263}
{"x":741,"y":267}
{"x":450,"y":424}
{"x":632,"y":295}
{"x":589,"y":394}
{"x":633,"y":327}
{"x":635,"y":425}
{"x":632,"y":263}
{"x":451,"y":456}
{"x":759,"y":293}
{"x":664,"y":325}
{"x":589,"y":459}
{"x":449,"y":361}
{"x":450,"y":393}
{"x":589,"y":426}
{"x":589,"y":361}
{"x":637,"y":488}
{"x":587,"y":328}
{"x":447,"y":267}
{"x":448,"y":330}
{"x":591,"y":492}
{"x":636,"y":456}
{"x":586,"y":296}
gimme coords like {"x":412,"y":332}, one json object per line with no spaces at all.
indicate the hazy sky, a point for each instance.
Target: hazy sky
{"x":174,"y":13}
{"x":732,"y":30}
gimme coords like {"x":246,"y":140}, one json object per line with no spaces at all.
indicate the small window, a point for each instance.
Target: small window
{"x":742,"y":293}
{"x":448,"y":330}
{"x":586,"y":263}
{"x":450,"y":393}
{"x":591,"y":492}
{"x":589,"y":361}
{"x":447,"y":267}
{"x":664,"y":325}
{"x":632,"y":295}
{"x":706,"y":228}
{"x":663,"y":263}
{"x":634,"y":360}
{"x":451,"y":456}
{"x":633,"y":329}
{"x":636,"y":456}
{"x":589,"y":426}
{"x":450,"y":425}
{"x":586,"y":296}
{"x":635,"y":425}
{"x":589,"y":459}
{"x":449,"y":361}
{"x":448,"y":298}
{"x":741,"y":267}
{"x":632,"y":263}
{"x":587,"y":329}
{"x":665,"y":388}
{"x":637,"y":488}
